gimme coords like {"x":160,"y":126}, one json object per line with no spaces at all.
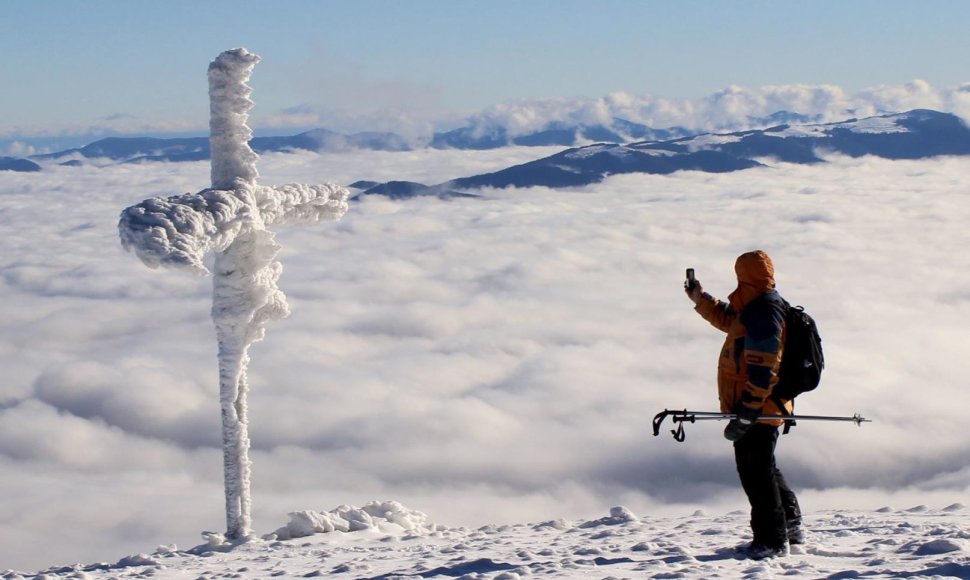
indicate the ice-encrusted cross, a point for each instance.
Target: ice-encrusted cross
{"x":231,"y":220}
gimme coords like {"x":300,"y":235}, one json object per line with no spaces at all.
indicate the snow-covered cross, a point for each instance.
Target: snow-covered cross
{"x":230,"y":219}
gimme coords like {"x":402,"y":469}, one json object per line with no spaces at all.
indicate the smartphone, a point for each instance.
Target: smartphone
{"x":691,"y":281}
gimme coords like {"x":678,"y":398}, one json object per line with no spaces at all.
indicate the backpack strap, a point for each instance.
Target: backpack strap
{"x":785,"y":307}
{"x":784,"y":411}
{"x":778,"y":402}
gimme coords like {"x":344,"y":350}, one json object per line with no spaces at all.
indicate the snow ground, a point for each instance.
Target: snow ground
{"x":918,"y":542}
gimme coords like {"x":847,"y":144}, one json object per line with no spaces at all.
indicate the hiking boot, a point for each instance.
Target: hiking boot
{"x":796,"y":535}
{"x":762,"y":551}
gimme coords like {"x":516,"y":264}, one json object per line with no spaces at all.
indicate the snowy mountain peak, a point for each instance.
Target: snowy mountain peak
{"x":914,"y":134}
{"x":491,"y":134}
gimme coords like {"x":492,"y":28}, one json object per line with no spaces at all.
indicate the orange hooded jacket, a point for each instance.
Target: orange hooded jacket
{"x":747,"y":370}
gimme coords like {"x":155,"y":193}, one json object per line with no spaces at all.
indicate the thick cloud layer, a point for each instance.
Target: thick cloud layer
{"x":479,"y":360}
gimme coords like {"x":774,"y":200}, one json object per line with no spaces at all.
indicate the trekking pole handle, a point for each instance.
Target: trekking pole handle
{"x":678,"y":417}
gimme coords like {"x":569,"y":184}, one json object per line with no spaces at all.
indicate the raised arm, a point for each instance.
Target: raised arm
{"x":718,"y":313}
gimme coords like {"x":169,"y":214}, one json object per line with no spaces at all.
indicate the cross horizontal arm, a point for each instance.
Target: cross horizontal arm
{"x":177,"y":231}
{"x":300,"y":203}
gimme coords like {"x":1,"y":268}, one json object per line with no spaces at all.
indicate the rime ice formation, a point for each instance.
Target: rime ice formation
{"x":231,"y":220}
{"x":387,"y":516}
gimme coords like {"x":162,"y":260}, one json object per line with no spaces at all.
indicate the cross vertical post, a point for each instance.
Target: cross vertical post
{"x":234,"y":167}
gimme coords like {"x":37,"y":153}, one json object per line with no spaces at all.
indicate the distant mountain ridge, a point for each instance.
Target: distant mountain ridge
{"x":912,"y":135}
{"x":16,"y":164}
{"x":493,"y":135}
{"x":178,"y":149}
{"x":915,"y":134}
{"x":139,"y":149}
{"x":478,"y":134}
{"x":406,"y":190}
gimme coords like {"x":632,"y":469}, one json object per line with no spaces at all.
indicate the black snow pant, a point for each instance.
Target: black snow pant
{"x":774,"y":507}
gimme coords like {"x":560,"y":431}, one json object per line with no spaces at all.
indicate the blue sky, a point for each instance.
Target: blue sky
{"x":140,"y":66}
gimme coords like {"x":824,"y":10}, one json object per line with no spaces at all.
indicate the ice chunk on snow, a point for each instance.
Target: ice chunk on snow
{"x":561,"y":524}
{"x":622,"y":514}
{"x":136,"y":560}
{"x":618,"y":515}
{"x":388,"y":517}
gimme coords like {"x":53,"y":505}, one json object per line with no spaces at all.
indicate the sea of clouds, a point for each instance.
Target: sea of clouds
{"x":484,"y":361}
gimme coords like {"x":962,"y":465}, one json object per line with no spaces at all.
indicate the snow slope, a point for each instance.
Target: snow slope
{"x":386,"y":540}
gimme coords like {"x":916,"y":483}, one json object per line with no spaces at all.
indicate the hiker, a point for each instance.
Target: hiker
{"x":747,"y":371}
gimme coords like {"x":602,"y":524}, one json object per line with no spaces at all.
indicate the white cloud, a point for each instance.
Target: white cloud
{"x":113,"y":125}
{"x":139,"y":396}
{"x":34,"y":432}
{"x":18,"y":149}
{"x":480,"y":360}
{"x":414,"y":111}
{"x":915,"y":94}
{"x":730,"y":108}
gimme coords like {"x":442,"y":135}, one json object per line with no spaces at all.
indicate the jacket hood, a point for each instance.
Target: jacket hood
{"x":756,"y":275}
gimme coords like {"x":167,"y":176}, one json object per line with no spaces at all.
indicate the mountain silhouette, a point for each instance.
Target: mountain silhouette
{"x":15,"y":164}
{"x":915,"y":134}
{"x":142,"y":149}
{"x":492,"y":135}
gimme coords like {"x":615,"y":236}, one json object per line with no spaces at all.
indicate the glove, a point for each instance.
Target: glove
{"x":737,"y":427}
{"x":694,"y":291}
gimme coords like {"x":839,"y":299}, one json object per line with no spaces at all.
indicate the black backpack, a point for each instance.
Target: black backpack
{"x":802,"y":361}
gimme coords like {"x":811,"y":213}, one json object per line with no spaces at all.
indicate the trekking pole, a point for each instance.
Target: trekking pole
{"x":686,"y":416}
